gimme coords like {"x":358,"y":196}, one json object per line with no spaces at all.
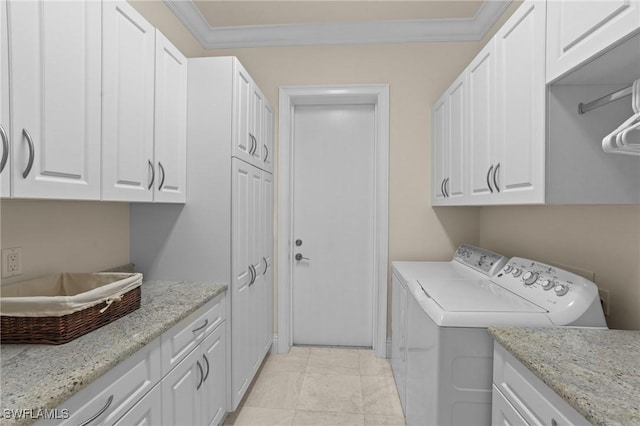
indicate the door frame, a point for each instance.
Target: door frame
{"x":291,"y":96}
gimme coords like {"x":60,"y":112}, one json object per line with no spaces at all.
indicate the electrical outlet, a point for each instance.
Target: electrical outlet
{"x":11,"y":262}
{"x":604,"y":299}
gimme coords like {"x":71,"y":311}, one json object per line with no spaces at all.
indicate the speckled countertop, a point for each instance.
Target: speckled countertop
{"x":44,"y":376}
{"x":597,"y":371}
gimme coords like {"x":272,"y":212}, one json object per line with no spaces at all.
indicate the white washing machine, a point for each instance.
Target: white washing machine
{"x":468,"y":262}
{"x":448,"y":350}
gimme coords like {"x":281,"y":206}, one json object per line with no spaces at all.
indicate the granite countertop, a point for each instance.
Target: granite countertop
{"x":44,"y":376}
{"x":597,"y":371}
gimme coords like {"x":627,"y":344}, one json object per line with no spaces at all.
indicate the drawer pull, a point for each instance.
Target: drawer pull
{"x":207,"y":373}
{"x":201,"y":375}
{"x":206,"y":322}
{"x":99,"y":413}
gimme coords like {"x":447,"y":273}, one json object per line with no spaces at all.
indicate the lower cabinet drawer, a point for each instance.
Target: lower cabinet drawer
{"x":502,"y":412}
{"x":536,"y":402}
{"x":182,"y":338}
{"x":107,"y":399}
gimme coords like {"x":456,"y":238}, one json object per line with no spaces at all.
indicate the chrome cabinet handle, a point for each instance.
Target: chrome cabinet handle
{"x":446,"y":191}
{"x":495,"y":182}
{"x":201,"y":375}
{"x":31,"y":153}
{"x":253,"y":275}
{"x":99,"y":413}
{"x":488,"y":181}
{"x":266,"y":153}
{"x":206,"y":322}
{"x":207,"y":373}
{"x":442,"y":187}
{"x":265,"y":266}
{"x":163,"y":175}
{"x":5,"y":148}
{"x":153,"y":175}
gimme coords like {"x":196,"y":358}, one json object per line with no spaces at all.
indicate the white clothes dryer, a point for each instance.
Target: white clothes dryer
{"x":448,"y":350}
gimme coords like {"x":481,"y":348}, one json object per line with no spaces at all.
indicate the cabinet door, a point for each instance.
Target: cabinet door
{"x":56,"y":52}
{"x":127,"y":117}
{"x":481,"y":125}
{"x":242,"y":125}
{"x":267,"y":257}
{"x":255,"y":253}
{"x":267,"y":148}
{"x":213,"y":390}
{"x":5,"y":129}
{"x":580,"y":30}
{"x":439,"y":151}
{"x":257,"y":130}
{"x":181,"y":404}
{"x":454,"y":185}
{"x":170,"y":122}
{"x":147,"y":412}
{"x":519,"y":171}
{"x":242,"y":275}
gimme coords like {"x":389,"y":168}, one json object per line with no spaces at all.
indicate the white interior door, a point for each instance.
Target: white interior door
{"x":333,"y":219}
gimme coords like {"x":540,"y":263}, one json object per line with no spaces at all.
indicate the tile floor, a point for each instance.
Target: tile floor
{"x":321,"y":386}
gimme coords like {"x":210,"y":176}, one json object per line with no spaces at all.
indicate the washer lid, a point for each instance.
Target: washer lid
{"x":476,"y":296}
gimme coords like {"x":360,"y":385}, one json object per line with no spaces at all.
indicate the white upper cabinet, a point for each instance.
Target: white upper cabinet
{"x":170,"y":122}
{"x":449,"y":140}
{"x":243,"y":138}
{"x":56,"y":52}
{"x":257,"y":129}
{"x":5,"y":129}
{"x":481,"y":149}
{"x":267,"y":148}
{"x":580,"y":30}
{"x":438,"y":151}
{"x":518,"y":174}
{"x":128,"y":168}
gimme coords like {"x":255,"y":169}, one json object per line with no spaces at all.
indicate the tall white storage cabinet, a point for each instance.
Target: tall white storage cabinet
{"x":224,"y":232}
{"x":56,"y":53}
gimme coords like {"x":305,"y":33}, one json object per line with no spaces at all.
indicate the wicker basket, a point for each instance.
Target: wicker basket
{"x":56,"y":330}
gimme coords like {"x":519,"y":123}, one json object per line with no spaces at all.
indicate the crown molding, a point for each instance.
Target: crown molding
{"x":402,"y":31}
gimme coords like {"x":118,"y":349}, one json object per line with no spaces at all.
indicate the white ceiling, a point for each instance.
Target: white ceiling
{"x":240,"y":23}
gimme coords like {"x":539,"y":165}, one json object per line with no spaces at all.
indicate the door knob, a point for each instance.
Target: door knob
{"x":299,"y":256}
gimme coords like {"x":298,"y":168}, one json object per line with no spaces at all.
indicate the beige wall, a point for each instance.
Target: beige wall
{"x":603,"y":240}
{"x":65,"y":236}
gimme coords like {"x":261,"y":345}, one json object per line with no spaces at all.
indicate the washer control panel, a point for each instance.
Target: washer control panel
{"x":560,"y":292}
{"x":485,"y":261}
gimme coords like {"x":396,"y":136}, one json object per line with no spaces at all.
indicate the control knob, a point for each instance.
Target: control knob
{"x":529,"y":277}
{"x":516,"y":272}
{"x":547,"y":284}
{"x":507,"y":269}
{"x":561,"y":289}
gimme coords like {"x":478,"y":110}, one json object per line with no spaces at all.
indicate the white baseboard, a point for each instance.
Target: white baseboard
{"x":274,"y":344}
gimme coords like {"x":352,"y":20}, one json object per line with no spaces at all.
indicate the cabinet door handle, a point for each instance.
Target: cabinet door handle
{"x":446,"y":191}
{"x":206,"y":322}
{"x":163,"y":175}
{"x":5,"y":148}
{"x":253,"y":144}
{"x":99,"y":413}
{"x":266,"y":152}
{"x":495,"y":181}
{"x":153,"y":175}
{"x":206,"y":361}
{"x":201,"y":375}
{"x":253,"y":277}
{"x":31,"y":153}
{"x":265,"y":266}
{"x":442,"y":188}
{"x":488,"y":181}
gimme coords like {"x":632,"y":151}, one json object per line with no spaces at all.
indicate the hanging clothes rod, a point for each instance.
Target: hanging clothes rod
{"x":582,"y":107}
